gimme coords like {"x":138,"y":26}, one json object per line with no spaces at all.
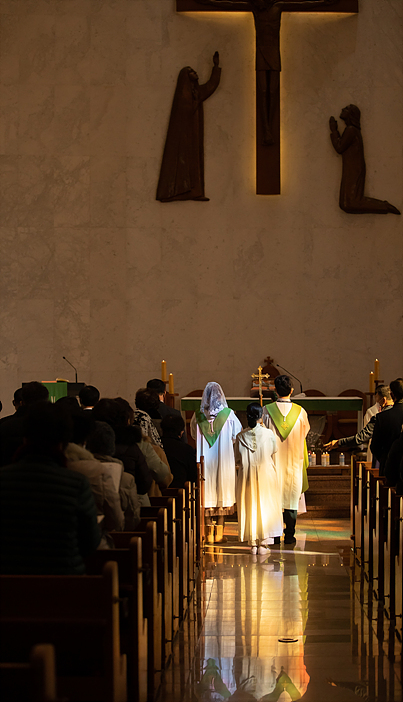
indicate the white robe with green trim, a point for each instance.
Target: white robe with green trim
{"x":289,"y":459}
{"x":219,"y":462}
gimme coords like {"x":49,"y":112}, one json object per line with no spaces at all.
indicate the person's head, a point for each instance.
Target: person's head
{"x":253,"y":413}
{"x":396,"y":389}
{"x":45,"y":428}
{"x":213,"y":399}
{"x":101,"y":441}
{"x":89,"y":396}
{"x":158,"y":386}
{"x":148,"y":401}
{"x":283,"y":385}
{"x":351,"y":115}
{"x":17,"y":402}
{"x":173,"y":425}
{"x":34,"y":392}
{"x":383,"y":395}
{"x":192,"y":74}
{"x":80,"y":423}
{"x":111,"y":412}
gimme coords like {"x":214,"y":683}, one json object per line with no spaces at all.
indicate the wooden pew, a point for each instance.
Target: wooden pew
{"x":160,"y":516}
{"x":31,"y":682}
{"x":379,"y":538}
{"x":369,"y":524}
{"x":399,"y":577}
{"x":79,"y":615}
{"x":173,"y":559}
{"x":200,"y":511}
{"x":391,"y":551}
{"x":181,"y":545}
{"x":133,"y":630}
{"x":358,"y":506}
{"x":190,"y":537}
{"x":151,"y":598}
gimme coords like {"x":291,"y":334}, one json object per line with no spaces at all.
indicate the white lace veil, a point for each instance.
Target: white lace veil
{"x":213,"y":400}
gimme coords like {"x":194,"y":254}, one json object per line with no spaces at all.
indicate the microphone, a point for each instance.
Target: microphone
{"x":70,"y":364}
{"x":293,"y":376}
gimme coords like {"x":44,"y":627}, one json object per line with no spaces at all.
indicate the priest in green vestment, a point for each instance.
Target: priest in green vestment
{"x":290,"y":424}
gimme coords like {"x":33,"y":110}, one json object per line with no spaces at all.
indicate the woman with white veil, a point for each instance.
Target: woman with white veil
{"x":215,"y":428}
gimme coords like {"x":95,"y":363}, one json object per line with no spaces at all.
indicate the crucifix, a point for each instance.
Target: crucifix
{"x":267,"y":16}
{"x":260,"y":376}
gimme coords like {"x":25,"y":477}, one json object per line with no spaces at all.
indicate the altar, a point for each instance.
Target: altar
{"x":310,"y":404}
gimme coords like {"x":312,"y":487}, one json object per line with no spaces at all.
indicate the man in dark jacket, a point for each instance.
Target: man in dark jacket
{"x":388,"y":426}
{"x":159,"y":387}
{"x":11,"y":430}
{"x":181,"y":457}
{"x":48,"y":519}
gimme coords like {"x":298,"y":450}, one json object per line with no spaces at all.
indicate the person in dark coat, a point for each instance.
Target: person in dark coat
{"x":48,"y":519}
{"x":164,"y":410}
{"x":388,"y":426}
{"x":394,"y":462}
{"x":181,"y":457}
{"x":11,"y":430}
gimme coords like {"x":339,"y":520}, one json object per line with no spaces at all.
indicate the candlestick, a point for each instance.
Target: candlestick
{"x":371,"y":382}
{"x":376,"y":369}
{"x":164,"y":371}
{"x":171,"y":384}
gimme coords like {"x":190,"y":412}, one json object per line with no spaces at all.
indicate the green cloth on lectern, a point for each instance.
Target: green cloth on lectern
{"x":56,"y":390}
{"x":211,"y":435}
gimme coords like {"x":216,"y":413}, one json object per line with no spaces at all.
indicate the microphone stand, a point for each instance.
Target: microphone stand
{"x":70,"y":364}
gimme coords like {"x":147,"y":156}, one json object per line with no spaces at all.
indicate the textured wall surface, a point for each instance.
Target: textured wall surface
{"x":94,"y":268}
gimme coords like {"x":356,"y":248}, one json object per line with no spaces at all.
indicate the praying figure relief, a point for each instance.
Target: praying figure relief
{"x":351,"y":147}
{"x":182,"y":168}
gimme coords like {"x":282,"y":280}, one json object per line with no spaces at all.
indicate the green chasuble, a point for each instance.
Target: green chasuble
{"x":284,"y":426}
{"x":211,"y":435}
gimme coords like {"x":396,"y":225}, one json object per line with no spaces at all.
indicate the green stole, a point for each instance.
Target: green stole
{"x":211,"y":435}
{"x":284,"y":426}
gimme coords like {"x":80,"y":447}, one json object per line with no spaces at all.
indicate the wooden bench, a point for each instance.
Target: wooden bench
{"x":133,"y":629}
{"x":178,"y":495}
{"x":30,"y":682}
{"x":79,"y":616}
{"x":152,"y":600}
{"x":173,"y":559}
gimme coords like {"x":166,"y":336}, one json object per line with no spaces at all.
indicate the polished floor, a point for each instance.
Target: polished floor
{"x":295,"y":623}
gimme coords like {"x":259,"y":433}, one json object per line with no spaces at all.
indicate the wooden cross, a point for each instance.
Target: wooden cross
{"x":267,"y":154}
{"x":259,"y":376}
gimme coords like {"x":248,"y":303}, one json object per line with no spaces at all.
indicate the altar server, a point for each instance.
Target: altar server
{"x":258,"y":494}
{"x":215,"y":428}
{"x":290,"y":424}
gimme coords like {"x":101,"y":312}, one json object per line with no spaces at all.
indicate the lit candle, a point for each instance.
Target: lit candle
{"x":164,"y":371}
{"x":376,"y":369}
{"x":371,"y":382}
{"x":171,"y":384}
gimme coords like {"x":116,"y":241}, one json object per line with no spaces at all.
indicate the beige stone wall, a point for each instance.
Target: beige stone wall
{"x":94,"y":268}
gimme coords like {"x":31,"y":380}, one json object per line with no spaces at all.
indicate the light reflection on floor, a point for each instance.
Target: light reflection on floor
{"x":285,"y":626}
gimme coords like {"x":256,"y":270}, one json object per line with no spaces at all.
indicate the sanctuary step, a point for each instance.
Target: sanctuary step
{"x":329,"y":491}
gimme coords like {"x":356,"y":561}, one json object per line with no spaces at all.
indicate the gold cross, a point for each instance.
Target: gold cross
{"x":260,"y":377}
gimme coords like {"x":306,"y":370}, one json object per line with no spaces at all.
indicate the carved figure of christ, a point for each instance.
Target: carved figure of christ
{"x":267,"y":17}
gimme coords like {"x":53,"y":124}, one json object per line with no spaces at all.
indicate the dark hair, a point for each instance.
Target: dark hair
{"x":253,"y":412}
{"x":34,"y":392}
{"x":126,"y":411}
{"x":283,"y":385}
{"x":80,"y":423}
{"x":383,"y":391}
{"x":89,"y":396}
{"x":102,"y":440}
{"x":109,"y":411}
{"x":157,"y":385}
{"x":396,"y":388}
{"x":17,"y":397}
{"x":148,"y":401}
{"x":45,"y":427}
{"x":172,"y":425}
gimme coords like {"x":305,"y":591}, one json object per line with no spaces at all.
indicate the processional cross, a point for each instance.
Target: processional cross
{"x":267,"y":16}
{"x":260,"y":376}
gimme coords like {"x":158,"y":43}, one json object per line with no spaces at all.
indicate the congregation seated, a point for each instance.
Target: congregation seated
{"x":181,"y":456}
{"x":388,"y":426}
{"x":148,"y":401}
{"x":101,"y":443}
{"x":48,"y":518}
{"x":11,"y":427}
{"x":81,"y":460}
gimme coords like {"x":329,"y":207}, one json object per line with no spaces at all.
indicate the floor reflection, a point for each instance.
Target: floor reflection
{"x":285,"y":626}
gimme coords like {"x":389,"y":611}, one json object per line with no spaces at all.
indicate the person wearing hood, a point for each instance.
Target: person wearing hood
{"x":214,"y":429}
{"x":260,"y":519}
